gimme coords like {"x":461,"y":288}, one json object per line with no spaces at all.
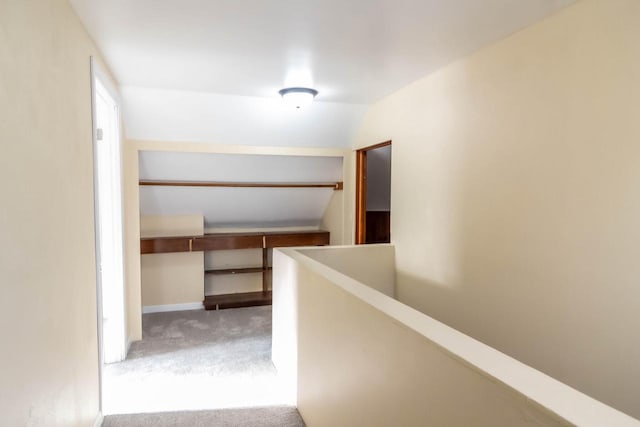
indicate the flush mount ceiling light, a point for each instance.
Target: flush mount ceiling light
{"x":298,"y":97}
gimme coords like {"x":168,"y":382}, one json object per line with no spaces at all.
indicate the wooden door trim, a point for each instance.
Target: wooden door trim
{"x":361,"y":196}
{"x":374,"y":146}
{"x":361,"y":191}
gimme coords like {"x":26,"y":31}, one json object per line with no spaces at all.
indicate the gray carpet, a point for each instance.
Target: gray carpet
{"x":197,"y":360}
{"x":215,"y":342}
{"x":250,"y":417}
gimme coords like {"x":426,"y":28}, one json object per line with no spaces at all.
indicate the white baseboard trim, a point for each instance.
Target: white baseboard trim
{"x":99,"y":420}
{"x":172,"y":307}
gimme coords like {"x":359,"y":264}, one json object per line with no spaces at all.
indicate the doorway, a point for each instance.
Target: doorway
{"x":108,"y":218}
{"x":373,"y":194}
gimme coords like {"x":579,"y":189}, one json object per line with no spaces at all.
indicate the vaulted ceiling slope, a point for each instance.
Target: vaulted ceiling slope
{"x":354,"y":51}
{"x":239,"y":207}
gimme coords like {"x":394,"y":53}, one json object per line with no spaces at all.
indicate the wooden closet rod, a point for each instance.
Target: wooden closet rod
{"x":334,"y":185}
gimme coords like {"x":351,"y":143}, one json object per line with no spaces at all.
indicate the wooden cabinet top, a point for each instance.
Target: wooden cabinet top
{"x":225,"y":241}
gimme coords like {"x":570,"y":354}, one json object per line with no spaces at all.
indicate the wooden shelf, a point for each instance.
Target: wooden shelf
{"x":245,"y":299}
{"x":161,"y":245}
{"x":228,"y":241}
{"x":236,"y":270}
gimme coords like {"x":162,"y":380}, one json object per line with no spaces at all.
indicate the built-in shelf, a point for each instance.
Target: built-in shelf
{"x":236,"y":270}
{"x":244,"y":299}
{"x":232,"y":241}
{"x":229,"y":241}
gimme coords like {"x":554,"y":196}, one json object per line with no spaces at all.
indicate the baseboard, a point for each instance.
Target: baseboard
{"x":172,"y":307}
{"x":99,"y":419}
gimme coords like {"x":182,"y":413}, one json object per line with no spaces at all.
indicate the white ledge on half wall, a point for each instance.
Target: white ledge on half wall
{"x":555,"y":397}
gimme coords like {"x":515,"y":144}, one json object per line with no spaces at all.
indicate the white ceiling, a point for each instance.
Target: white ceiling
{"x":353,"y":51}
{"x":170,"y":115}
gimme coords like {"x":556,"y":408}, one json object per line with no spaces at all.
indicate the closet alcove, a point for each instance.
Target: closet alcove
{"x":209,"y":222}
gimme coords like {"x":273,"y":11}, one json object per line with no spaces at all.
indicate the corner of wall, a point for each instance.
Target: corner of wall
{"x":132,"y":241}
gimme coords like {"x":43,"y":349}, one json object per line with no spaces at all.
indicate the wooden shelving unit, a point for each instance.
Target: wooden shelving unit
{"x":245,"y":299}
{"x":231,"y":241}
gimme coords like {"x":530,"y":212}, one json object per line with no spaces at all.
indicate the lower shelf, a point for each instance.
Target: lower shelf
{"x":245,"y":299}
{"x":235,"y":270}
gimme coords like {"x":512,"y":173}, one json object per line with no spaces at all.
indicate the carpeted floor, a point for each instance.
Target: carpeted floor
{"x":249,"y":417}
{"x":197,"y":360}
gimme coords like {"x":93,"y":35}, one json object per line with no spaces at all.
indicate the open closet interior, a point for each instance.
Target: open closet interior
{"x":209,"y":223}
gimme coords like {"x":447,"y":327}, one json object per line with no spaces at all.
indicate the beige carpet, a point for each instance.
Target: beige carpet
{"x":248,"y":417}
{"x":197,"y":360}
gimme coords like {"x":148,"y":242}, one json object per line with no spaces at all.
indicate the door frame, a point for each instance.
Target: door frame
{"x":98,"y":73}
{"x":361,"y":191}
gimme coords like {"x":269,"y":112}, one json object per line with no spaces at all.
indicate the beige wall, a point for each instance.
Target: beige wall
{"x":356,"y":357}
{"x":133,"y":293}
{"x":49,"y":360}
{"x":358,"y":367}
{"x":370,"y":264}
{"x":515,"y":196}
{"x":333,"y":218}
{"x":172,"y":278}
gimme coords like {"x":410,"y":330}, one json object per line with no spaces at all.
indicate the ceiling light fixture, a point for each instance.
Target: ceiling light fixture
{"x":298,"y":97}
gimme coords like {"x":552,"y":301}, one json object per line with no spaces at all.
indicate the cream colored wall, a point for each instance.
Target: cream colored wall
{"x":284,"y":318}
{"x":371,"y":371}
{"x":172,"y":278}
{"x":47,"y":259}
{"x":370,"y":264}
{"x":333,"y":218}
{"x":356,"y":357}
{"x":349,"y":200}
{"x":132,"y":263}
{"x":171,"y":225}
{"x":515,"y":196}
{"x":338,"y":217}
